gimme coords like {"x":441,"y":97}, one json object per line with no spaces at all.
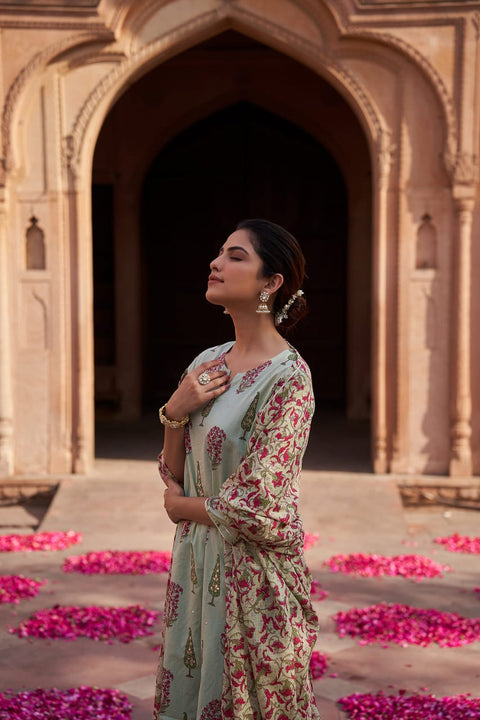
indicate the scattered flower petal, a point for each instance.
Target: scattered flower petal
{"x":460,"y":543}
{"x":318,"y":664}
{"x":317,"y":591}
{"x":14,"y":588}
{"x":97,"y":623}
{"x":310,"y":540}
{"x":407,"y":625}
{"x":119,"y":562}
{"x":366,"y":706}
{"x":39,"y":541}
{"x":413,"y":567}
{"x":82,"y":703}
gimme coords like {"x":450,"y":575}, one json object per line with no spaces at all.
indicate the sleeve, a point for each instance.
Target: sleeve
{"x":258,"y":503}
{"x":164,"y":470}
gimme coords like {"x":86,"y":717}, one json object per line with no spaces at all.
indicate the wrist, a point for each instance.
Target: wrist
{"x":170,"y":420}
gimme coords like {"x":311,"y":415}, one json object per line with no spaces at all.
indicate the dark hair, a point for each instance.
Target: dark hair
{"x":280,"y":253}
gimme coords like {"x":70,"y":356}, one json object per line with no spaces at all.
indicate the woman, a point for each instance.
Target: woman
{"x":239,"y":628}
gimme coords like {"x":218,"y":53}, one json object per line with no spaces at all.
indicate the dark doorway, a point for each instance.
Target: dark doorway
{"x":240,"y":162}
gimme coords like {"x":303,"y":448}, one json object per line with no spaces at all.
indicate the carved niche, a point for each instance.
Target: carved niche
{"x":426,"y":249}
{"x":35,"y":246}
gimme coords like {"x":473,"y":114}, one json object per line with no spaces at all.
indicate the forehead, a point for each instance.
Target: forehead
{"x":239,"y":238}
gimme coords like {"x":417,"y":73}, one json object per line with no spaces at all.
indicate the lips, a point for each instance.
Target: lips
{"x":214,"y":279}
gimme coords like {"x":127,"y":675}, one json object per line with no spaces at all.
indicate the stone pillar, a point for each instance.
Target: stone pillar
{"x":6,"y":383}
{"x":461,"y":399}
{"x":379,"y":302}
{"x":81,"y":287}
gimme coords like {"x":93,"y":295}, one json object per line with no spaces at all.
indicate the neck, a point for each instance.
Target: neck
{"x":256,"y":334}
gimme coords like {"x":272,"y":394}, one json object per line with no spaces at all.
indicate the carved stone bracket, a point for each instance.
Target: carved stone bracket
{"x":462,"y":168}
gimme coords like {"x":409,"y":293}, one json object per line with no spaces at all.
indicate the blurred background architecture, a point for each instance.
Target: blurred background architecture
{"x":136,"y":134}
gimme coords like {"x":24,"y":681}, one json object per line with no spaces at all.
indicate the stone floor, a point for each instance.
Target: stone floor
{"x":119,"y":506}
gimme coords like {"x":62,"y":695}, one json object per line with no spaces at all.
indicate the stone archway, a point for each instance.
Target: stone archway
{"x":336,"y":338}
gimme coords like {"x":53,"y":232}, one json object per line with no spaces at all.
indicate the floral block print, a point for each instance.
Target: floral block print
{"x":215,"y":439}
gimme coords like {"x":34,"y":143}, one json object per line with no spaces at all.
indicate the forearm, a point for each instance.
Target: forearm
{"x":174,"y":452}
{"x":189,"y":508}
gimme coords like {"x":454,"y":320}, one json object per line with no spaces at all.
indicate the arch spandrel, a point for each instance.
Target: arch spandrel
{"x":101,"y":97}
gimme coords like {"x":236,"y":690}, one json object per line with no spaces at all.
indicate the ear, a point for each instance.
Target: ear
{"x":274,"y":283}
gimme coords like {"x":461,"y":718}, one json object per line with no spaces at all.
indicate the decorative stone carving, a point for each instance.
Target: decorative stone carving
{"x":462,"y":167}
{"x":428,"y":70}
{"x":41,"y":59}
{"x":385,"y":155}
{"x":35,"y":246}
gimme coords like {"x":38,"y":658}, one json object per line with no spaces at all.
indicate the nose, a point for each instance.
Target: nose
{"x":215,"y":263}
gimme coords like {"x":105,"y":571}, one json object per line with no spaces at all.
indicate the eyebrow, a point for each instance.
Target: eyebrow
{"x":236,"y":247}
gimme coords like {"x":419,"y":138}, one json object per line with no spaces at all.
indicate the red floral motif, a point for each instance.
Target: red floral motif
{"x":187,"y":439}
{"x":215,"y":439}
{"x":212,"y":711}
{"x":251,"y":375}
{"x":162,"y":700}
{"x":174,"y":591}
{"x":185,"y":529}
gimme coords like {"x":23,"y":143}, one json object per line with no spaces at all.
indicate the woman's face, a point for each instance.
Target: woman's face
{"x":236,"y":274}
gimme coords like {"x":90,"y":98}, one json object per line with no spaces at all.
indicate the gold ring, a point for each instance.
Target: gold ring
{"x":204,"y":378}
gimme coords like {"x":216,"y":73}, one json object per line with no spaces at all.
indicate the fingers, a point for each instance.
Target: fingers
{"x":205,"y":382}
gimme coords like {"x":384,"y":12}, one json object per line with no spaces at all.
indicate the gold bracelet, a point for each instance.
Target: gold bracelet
{"x":174,"y":424}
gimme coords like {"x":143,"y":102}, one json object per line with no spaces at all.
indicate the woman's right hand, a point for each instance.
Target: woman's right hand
{"x":192,"y":395}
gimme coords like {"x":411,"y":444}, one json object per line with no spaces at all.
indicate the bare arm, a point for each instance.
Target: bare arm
{"x":179,"y":507}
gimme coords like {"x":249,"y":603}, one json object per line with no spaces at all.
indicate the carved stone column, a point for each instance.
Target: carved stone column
{"x":461,"y":397}
{"x":6,"y":398}
{"x":81,"y":297}
{"x":379,"y":329}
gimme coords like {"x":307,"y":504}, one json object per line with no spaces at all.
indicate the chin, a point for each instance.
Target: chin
{"x":210,"y":297}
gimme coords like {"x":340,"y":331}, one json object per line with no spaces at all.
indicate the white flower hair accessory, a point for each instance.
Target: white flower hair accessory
{"x":282,"y":314}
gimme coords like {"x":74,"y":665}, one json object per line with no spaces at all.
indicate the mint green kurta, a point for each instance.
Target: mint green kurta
{"x":229,"y":582}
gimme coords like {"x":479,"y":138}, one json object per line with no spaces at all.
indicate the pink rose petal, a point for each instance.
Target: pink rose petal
{"x":14,"y":588}
{"x":119,"y":562}
{"x":317,"y":591}
{"x":98,"y":623}
{"x":310,"y":539}
{"x":460,"y":543}
{"x":318,"y":664}
{"x":39,"y":541}
{"x":413,"y":567}
{"x":407,"y":625}
{"x":82,"y":703}
{"x":367,"y":706}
